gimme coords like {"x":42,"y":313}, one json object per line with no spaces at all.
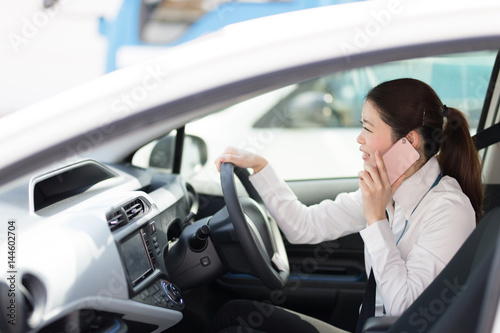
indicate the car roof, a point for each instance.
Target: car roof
{"x":231,"y":64}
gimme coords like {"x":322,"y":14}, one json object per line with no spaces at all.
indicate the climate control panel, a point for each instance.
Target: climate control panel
{"x":162,"y":293}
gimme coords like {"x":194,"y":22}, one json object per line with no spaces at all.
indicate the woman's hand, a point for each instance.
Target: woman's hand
{"x":241,"y":158}
{"x":377,"y":190}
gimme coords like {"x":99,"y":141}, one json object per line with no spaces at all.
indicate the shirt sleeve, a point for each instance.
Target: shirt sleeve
{"x":314,"y":224}
{"x":447,"y":223}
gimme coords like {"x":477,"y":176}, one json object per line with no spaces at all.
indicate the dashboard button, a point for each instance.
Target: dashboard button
{"x":205,"y":261}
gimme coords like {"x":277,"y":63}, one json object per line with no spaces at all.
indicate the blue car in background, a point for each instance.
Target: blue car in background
{"x":142,"y":27}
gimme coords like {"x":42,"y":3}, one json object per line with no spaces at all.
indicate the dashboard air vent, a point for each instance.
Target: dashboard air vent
{"x":126,"y":213}
{"x":134,"y":209}
{"x":116,"y":219}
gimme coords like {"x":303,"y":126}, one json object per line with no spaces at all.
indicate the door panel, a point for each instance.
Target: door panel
{"x":326,"y":286}
{"x":313,"y":191}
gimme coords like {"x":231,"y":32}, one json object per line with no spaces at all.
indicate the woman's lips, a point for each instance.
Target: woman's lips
{"x":365,"y":155}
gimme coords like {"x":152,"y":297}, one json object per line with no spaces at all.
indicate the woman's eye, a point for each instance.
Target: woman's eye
{"x":364,"y":127}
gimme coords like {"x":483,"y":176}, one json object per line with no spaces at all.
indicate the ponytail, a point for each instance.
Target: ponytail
{"x":459,"y":159}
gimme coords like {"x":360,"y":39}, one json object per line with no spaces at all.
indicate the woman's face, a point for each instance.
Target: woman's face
{"x":375,"y":135}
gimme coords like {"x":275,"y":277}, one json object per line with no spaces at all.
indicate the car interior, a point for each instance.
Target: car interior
{"x":160,"y":241}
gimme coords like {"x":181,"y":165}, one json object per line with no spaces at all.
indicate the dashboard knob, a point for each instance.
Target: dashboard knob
{"x":173,"y":292}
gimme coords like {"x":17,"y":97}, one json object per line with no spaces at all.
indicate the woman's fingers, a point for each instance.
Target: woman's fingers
{"x":376,"y":175}
{"x":227,"y":155}
{"x":382,"y":170}
{"x":376,"y":189}
{"x":365,"y":178}
{"x":241,"y":158}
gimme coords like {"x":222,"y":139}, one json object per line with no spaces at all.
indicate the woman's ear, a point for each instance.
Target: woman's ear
{"x":414,"y":138}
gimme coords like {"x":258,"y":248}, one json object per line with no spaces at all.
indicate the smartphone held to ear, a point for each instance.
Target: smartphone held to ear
{"x":399,"y":158}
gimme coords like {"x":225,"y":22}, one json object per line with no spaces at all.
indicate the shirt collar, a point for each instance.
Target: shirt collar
{"x":413,"y":189}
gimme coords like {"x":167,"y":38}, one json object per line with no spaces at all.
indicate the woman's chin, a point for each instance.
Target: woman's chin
{"x":368,"y":162}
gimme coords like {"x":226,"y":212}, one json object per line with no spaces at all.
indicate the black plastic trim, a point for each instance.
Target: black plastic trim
{"x":489,"y":94}
{"x":179,"y":144}
{"x":68,"y":182}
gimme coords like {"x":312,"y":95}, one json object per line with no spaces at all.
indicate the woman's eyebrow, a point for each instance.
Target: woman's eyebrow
{"x":364,"y":121}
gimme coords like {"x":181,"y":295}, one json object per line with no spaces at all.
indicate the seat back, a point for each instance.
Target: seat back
{"x":452,"y":302}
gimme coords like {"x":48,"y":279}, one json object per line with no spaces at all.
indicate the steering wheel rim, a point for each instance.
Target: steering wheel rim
{"x":272,"y":269}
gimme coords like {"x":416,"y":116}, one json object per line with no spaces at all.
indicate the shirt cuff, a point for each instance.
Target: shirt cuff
{"x":377,"y":236}
{"x":262,"y":179}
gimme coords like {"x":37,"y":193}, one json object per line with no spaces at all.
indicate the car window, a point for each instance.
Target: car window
{"x":308,"y":130}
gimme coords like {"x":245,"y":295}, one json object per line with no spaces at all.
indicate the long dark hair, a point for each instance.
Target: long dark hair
{"x":411,"y":105}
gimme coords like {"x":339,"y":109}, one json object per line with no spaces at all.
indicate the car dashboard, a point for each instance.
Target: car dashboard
{"x":91,"y":246}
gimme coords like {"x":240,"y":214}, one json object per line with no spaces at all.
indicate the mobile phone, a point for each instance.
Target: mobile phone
{"x":399,"y":158}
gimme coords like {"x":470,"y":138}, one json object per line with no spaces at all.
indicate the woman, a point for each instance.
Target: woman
{"x":412,"y":228}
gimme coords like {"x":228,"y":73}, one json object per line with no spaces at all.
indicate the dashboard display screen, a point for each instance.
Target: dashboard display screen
{"x":136,"y":258}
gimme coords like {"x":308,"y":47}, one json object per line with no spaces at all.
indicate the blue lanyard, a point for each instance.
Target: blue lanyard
{"x":406,"y":222}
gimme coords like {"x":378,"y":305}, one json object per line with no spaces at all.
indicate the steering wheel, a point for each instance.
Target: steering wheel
{"x":257,"y":232}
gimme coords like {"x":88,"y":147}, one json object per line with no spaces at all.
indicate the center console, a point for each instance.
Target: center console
{"x":141,"y":252}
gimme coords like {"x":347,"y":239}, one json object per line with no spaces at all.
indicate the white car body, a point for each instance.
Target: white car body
{"x":268,"y":46}
{"x":105,"y":118}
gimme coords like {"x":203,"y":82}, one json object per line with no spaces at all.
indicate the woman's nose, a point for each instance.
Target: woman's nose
{"x":360,"y":138}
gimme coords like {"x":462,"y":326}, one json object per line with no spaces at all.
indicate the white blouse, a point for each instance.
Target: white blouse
{"x":434,"y":232}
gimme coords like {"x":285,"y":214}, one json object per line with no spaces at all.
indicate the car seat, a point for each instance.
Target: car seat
{"x":461,"y":294}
